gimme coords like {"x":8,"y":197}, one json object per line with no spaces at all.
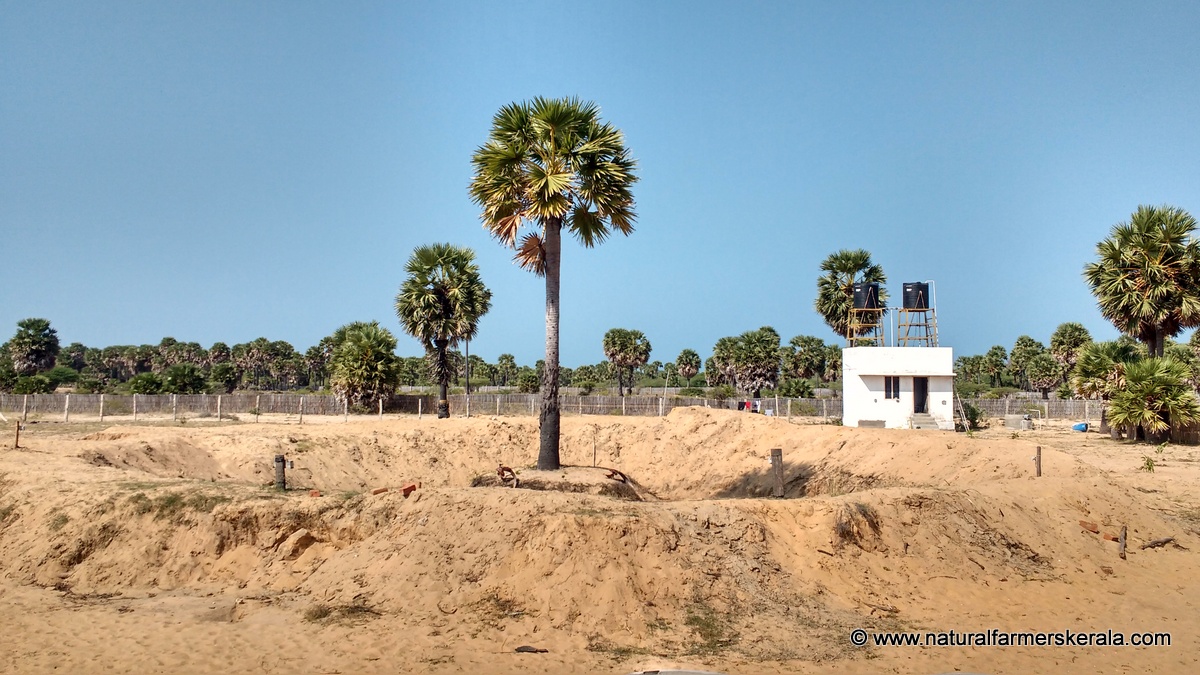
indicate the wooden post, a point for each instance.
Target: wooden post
{"x":581,"y":405}
{"x":777,"y":471}
{"x":174,"y":407}
{"x":135,"y":407}
{"x":25,"y":408}
{"x":824,"y":409}
{"x":420,"y":403}
{"x":257,"y":410}
{"x":380,"y":407}
{"x":346,"y":409}
{"x":532,"y":400}
{"x":661,"y":404}
{"x":301,"y":410}
{"x":1121,"y":541}
{"x":776,"y":411}
{"x":1037,"y":462}
{"x":622,"y":405}
{"x":497,"y":405}
{"x":67,"y":408}
{"x":789,"y":410}
{"x":17,"y":440}
{"x":218,"y":407}
{"x":280,"y":472}
{"x":468,"y":401}
{"x":101,"y":407}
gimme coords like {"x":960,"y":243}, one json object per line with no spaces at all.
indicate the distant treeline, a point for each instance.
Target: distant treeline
{"x":33,"y":361}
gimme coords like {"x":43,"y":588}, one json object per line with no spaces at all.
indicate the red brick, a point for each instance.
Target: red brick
{"x":408,"y":489}
{"x":314,"y":493}
{"x":379,"y":491}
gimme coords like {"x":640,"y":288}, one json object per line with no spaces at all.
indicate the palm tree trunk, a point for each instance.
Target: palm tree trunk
{"x":548,"y":457}
{"x":443,"y":405}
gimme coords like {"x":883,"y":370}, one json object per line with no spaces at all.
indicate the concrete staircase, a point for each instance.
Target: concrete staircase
{"x":924,"y":421}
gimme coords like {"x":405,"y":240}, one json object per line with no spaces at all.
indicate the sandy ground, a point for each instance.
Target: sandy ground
{"x":163,"y":548}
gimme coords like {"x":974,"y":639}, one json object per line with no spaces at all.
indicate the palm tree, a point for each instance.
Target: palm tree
{"x":626,"y":350}
{"x":440,"y":304}
{"x":1023,"y":351}
{"x":808,"y":359}
{"x":364,"y":367}
{"x":1067,"y":341}
{"x":506,"y":368}
{"x":1155,"y":397}
{"x":994,"y":363}
{"x":835,"y":288}
{"x":1044,"y":373}
{"x":721,"y":366}
{"x":688,"y":364}
{"x":756,"y":360}
{"x":1100,"y":370}
{"x":1147,"y":278}
{"x":552,"y":164}
{"x":34,"y":347}
{"x":833,"y":363}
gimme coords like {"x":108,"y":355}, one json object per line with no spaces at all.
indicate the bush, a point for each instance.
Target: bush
{"x":528,"y":383}
{"x":33,"y":384}
{"x":586,"y":388}
{"x":223,"y":378}
{"x":61,"y":375}
{"x":976,"y":419}
{"x":145,"y":383}
{"x":89,"y":385}
{"x":795,"y":388}
{"x":695,"y":392}
{"x":722,"y":392}
{"x":182,"y":378}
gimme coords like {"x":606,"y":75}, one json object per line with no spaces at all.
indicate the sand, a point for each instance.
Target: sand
{"x":164,"y":548}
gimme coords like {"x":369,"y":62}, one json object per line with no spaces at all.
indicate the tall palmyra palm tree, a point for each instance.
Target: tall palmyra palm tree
{"x":1067,"y":341}
{"x":552,"y":164}
{"x":1147,"y":278}
{"x":688,"y":364}
{"x":441,"y":303}
{"x":835,"y":288}
{"x":626,"y":349}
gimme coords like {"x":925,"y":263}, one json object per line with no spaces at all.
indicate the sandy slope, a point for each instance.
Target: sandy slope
{"x":162,"y":548}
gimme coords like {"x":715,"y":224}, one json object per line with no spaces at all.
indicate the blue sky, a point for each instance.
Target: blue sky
{"x":223,"y":170}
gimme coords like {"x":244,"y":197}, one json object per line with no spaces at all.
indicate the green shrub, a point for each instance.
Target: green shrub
{"x":528,"y":383}
{"x":33,"y":384}
{"x":89,"y":385}
{"x":694,"y":392}
{"x":183,"y":378}
{"x":976,"y":418}
{"x":61,"y":375}
{"x":722,"y":392}
{"x":144,"y":383}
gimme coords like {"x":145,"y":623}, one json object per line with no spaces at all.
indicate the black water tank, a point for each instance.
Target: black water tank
{"x":866,"y":296}
{"x":916,"y":295}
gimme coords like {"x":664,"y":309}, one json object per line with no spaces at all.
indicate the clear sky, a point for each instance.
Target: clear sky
{"x":228,"y":170}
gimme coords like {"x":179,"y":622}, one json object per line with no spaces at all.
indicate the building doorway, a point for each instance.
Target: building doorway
{"x":920,"y":394}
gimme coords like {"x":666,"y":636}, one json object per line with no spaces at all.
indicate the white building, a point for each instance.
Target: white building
{"x":898,"y":387}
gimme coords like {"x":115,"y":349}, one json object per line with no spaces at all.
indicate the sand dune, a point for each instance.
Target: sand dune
{"x":164,"y":548}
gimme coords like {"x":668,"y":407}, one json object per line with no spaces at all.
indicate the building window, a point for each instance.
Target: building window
{"x":891,"y":387}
